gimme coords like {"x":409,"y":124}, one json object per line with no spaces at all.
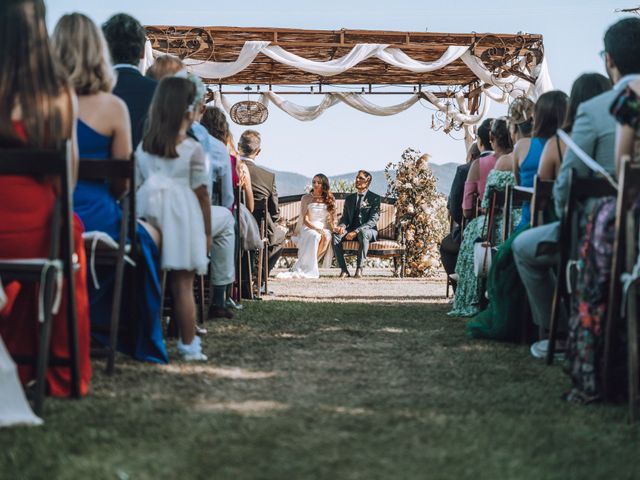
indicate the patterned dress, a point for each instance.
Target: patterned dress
{"x":467,"y":298}
{"x":587,"y":323}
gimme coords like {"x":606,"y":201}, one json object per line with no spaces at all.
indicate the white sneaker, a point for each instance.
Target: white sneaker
{"x":192,"y":352}
{"x":231,"y":304}
{"x":540,"y":348}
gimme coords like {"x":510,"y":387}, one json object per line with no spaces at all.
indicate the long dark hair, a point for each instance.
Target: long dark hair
{"x":586,"y":86}
{"x":216,"y":123}
{"x":327,"y":194}
{"x":500,"y":134}
{"x":171,"y":100}
{"x":551,"y":109}
{"x":30,"y":77}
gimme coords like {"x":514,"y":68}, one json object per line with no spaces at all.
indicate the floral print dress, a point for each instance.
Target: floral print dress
{"x":467,"y":298}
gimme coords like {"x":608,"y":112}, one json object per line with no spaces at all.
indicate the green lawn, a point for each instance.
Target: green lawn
{"x":298,"y":390}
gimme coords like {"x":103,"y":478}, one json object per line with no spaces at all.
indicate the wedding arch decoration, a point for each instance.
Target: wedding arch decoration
{"x":473,"y":69}
{"x":422,"y":210}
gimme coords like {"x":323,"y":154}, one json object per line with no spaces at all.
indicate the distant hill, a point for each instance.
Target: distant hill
{"x":293,"y":183}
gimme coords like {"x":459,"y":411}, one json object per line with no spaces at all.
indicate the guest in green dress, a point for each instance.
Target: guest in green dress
{"x":466,"y":300}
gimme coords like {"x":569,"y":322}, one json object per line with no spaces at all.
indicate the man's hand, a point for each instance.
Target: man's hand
{"x":339,"y":229}
{"x":351,"y":235}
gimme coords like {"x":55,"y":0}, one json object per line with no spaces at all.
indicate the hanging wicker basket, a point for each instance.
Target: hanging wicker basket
{"x":249,"y":113}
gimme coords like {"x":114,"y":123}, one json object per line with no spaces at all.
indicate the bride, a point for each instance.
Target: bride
{"x":313,"y":232}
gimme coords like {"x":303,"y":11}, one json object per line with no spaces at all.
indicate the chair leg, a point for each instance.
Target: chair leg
{"x":260,"y":266}
{"x":44,"y":344}
{"x":72,"y":328}
{"x":115,"y":315}
{"x":250,"y":274}
{"x":266,"y":270}
{"x":448,"y":283}
{"x":163,"y":291}
{"x":632,"y":341}
{"x":555,"y":315}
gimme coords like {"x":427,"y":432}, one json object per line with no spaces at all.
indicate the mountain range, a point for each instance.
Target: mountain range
{"x":290,"y":183}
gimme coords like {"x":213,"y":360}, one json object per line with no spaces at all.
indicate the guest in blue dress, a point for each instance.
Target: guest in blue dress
{"x":104,"y":131}
{"x":99,"y":211}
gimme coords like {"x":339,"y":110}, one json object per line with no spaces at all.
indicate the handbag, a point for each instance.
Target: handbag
{"x":249,"y":231}
{"x":482,"y":249}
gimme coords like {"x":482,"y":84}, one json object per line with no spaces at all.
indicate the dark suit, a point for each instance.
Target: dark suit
{"x":265,"y":197}
{"x":136,"y":91}
{"x":450,"y":244}
{"x":360,"y":220}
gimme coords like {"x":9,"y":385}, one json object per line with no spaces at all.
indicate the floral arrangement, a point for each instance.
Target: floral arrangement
{"x":421,"y":209}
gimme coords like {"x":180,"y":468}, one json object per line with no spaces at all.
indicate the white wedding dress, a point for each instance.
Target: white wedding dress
{"x":307,"y":241}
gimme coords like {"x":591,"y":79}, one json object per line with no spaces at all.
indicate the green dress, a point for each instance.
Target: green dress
{"x":466,"y":300}
{"x":503,"y":317}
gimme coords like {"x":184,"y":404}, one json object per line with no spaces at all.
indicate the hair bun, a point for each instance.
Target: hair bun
{"x":521,"y":110}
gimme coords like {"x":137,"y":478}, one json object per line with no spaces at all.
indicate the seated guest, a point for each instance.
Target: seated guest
{"x":125,"y":37}
{"x":594,"y":132}
{"x":520,"y":120}
{"x":551,"y":109}
{"x":39,"y":112}
{"x":222,"y":271}
{"x":164,"y":66}
{"x":104,"y":132}
{"x":450,"y":244}
{"x":265,"y":194}
{"x":479,"y":170}
{"x":586,"y":86}
{"x":587,"y":325}
{"x":467,"y":299}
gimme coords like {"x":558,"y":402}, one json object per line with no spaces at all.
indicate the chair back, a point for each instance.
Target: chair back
{"x":114,"y":169}
{"x":542,"y":198}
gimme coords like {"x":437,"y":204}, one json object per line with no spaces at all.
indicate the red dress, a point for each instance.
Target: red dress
{"x":25,"y":212}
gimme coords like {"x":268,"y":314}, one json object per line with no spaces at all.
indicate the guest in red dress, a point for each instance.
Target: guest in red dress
{"x":37,"y":110}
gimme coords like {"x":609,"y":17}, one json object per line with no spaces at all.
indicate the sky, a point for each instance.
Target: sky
{"x":343,"y":140}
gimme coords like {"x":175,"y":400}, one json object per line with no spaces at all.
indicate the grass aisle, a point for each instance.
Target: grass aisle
{"x":298,"y":390}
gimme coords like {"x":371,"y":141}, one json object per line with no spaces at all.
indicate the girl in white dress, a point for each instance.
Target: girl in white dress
{"x":313,"y":232}
{"x":172,"y":172}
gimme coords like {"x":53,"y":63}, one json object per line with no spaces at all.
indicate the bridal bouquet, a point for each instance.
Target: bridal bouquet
{"x":420,"y":208}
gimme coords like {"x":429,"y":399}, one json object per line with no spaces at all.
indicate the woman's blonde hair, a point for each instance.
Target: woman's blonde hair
{"x":164,"y":66}
{"x":83,"y":53}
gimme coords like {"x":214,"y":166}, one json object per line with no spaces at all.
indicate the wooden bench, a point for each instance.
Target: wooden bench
{"x":390,"y":242}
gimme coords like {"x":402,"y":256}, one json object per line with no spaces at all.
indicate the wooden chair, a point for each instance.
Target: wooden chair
{"x":542,"y":198}
{"x":105,"y":253}
{"x":263,"y":254}
{"x":580,"y":189}
{"x":515,"y":197}
{"x":44,"y":270}
{"x":451,"y":282}
{"x":625,"y":256}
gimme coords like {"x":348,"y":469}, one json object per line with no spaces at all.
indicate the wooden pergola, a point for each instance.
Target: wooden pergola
{"x":502,"y":53}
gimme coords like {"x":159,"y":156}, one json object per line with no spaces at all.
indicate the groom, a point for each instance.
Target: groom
{"x":359,"y":218}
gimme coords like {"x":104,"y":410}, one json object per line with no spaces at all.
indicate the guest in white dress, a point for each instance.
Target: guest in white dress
{"x":173,"y":196}
{"x":313,"y":232}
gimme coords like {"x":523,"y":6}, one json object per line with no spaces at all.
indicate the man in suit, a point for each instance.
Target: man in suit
{"x":359,"y":217}
{"x":265,"y":193}
{"x":126,"y":37}
{"x":594,"y":132}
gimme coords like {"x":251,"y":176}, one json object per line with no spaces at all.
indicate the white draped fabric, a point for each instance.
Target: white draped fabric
{"x":359,"y":53}
{"x":357,"y":101}
{"x":509,"y":86}
{"x":14,"y":408}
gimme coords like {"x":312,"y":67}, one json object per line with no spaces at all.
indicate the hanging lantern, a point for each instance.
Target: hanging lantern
{"x":249,"y":112}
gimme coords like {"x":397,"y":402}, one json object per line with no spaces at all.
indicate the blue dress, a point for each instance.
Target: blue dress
{"x":528,"y":170}
{"x":99,"y":211}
